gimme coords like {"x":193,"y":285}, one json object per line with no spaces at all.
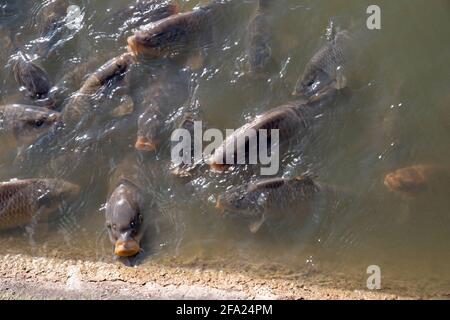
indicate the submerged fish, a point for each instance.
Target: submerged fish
{"x":291,"y":120}
{"x":26,"y":123}
{"x":260,"y":40}
{"x":24,"y":202}
{"x":51,"y":22}
{"x":6,"y":45}
{"x":175,"y":34}
{"x":269,"y":198}
{"x":417,"y":179}
{"x":32,"y":77}
{"x":327,"y":67}
{"x":170,"y":91}
{"x":125,"y":212}
{"x":107,"y":75}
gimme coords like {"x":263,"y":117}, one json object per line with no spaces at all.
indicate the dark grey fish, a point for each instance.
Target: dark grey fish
{"x":125,"y":210}
{"x":269,"y":198}
{"x":168,"y":92}
{"x":32,"y":77}
{"x":24,"y":202}
{"x":327,"y":68}
{"x":260,"y":40}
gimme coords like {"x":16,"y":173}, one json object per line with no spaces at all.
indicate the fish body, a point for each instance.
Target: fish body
{"x":141,"y":13}
{"x":23,"y":202}
{"x":260,"y":40}
{"x":51,"y":25}
{"x":269,"y":198}
{"x":169,"y":92}
{"x":80,"y":104}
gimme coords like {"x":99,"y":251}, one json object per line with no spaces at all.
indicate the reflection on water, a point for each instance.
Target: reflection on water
{"x":394,"y":115}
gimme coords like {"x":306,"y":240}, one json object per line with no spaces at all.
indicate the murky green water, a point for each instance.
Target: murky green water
{"x":394,"y":115}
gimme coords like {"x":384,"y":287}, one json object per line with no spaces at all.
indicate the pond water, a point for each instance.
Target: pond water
{"x":395,"y":114}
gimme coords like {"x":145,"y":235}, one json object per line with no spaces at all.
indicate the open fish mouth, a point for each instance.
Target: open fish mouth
{"x":144,"y":144}
{"x":132,"y":45}
{"x":128,"y":248}
{"x":218,"y":167}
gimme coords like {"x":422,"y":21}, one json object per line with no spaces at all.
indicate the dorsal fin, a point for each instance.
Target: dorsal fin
{"x":274,"y":183}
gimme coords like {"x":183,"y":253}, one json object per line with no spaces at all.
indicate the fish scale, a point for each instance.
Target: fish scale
{"x":19,"y":202}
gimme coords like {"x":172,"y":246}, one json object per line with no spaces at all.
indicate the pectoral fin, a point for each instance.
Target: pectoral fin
{"x":196,"y":62}
{"x":341,"y":80}
{"x":255,"y":226}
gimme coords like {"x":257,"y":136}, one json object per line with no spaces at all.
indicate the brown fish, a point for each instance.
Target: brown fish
{"x":26,"y":123}
{"x":31,"y":201}
{"x":269,"y":198}
{"x":292,"y":120}
{"x":110,"y":73}
{"x":176,"y":34}
{"x":32,"y":77}
{"x":327,"y":67}
{"x":418,"y":179}
{"x":125,"y":211}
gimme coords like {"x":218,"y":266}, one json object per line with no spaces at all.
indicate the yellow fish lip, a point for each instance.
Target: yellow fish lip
{"x":144,"y":144}
{"x":128,"y":248}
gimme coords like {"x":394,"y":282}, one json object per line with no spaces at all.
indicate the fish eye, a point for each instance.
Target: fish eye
{"x":39,"y":123}
{"x":132,"y":224}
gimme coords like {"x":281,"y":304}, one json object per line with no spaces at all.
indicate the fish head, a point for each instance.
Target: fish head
{"x":32,"y":77}
{"x":313,"y":81}
{"x":28,"y":123}
{"x":124,"y":221}
{"x":150,"y":126}
{"x":158,"y":39}
{"x":408,"y":180}
{"x":245,"y":201}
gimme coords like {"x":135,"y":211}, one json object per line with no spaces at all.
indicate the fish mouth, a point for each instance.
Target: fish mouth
{"x":137,"y":48}
{"x":144,"y":144}
{"x":220,"y":206}
{"x":132,"y":45}
{"x":128,"y":248}
{"x":219,"y":166}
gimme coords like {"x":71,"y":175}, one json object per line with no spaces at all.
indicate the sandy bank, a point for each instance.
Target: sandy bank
{"x":26,"y":277}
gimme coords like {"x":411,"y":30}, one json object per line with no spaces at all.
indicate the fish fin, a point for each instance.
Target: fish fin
{"x":124,"y":109}
{"x":341,"y":80}
{"x":196,"y":62}
{"x":255,"y":226}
